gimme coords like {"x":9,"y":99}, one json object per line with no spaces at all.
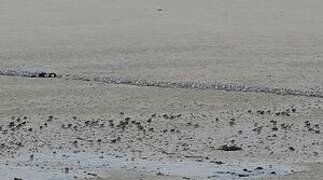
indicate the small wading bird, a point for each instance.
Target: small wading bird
{"x":46,"y":75}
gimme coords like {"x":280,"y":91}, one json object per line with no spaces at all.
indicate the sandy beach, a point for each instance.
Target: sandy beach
{"x":78,"y":125}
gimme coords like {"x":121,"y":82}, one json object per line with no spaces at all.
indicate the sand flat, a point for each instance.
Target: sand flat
{"x":46,"y":124}
{"x":69,"y":118}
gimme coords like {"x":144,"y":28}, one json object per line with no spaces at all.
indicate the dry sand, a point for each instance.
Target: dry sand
{"x":67,"y":129}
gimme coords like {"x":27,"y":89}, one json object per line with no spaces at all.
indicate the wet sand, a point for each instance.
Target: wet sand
{"x":156,"y":125}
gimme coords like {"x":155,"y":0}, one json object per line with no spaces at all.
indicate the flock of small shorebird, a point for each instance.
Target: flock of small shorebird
{"x":171,"y":84}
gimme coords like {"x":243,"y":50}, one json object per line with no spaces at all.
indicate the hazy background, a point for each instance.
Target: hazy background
{"x":256,"y":42}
